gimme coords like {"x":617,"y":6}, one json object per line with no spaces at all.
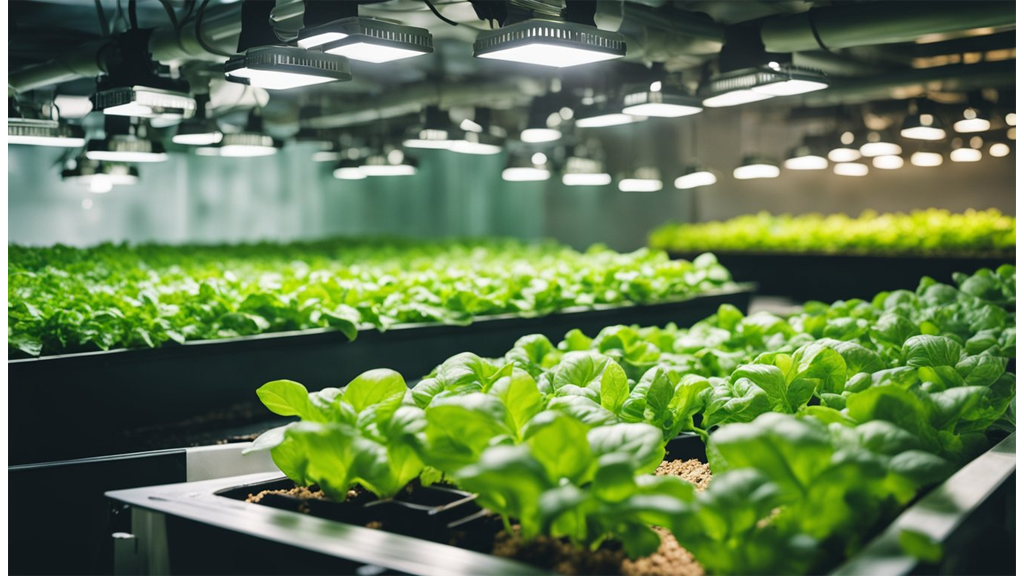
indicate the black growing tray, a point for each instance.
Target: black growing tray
{"x":205,"y":527}
{"x":101,"y":403}
{"x":830,"y":277}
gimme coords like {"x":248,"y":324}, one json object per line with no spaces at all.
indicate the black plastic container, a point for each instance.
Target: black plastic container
{"x":830,"y":277}
{"x":128,"y":400}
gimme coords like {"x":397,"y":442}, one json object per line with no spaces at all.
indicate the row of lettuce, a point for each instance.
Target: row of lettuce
{"x":825,"y":423}
{"x":63,"y":299}
{"x":931,"y":231}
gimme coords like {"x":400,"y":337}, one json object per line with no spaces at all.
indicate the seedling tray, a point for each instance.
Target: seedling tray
{"x":830,"y":277}
{"x":124,"y":400}
{"x":200,"y":527}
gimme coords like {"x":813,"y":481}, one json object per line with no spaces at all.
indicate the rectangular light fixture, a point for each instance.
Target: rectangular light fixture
{"x":367,"y":39}
{"x":549,"y":43}
{"x":285,"y":67}
{"x":144,"y":102}
{"x":39,"y":132}
{"x":661,"y":103}
{"x":120,"y":148}
{"x":754,"y":84}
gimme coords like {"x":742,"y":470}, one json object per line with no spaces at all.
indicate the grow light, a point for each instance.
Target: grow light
{"x":144,"y":102}
{"x":926,"y":159}
{"x":695,"y":178}
{"x":480,"y":143}
{"x":999,"y":150}
{"x":965,"y":155}
{"x":876,"y":145}
{"x":520,"y":168}
{"x":549,"y":43}
{"x":760,"y":83}
{"x":349,"y":169}
{"x":100,"y":177}
{"x":845,"y":152}
{"x":646,"y":179}
{"x":922,"y":127}
{"x":602,"y":116}
{"x":247,"y":145}
{"x":539,"y":135}
{"x":803,"y":158}
{"x":850,"y":169}
{"x":197,"y":132}
{"x":887,"y":162}
{"x":434,"y":133}
{"x":754,"y":168}
{"x":285,"y":67}
{"x":125,"y":148}
{"x":973,"y":121}
{"x":367,"y":39}
{"x":39,"y":132}
{"x":661,"y":102}
{"x":394,"y":163}
{"x":581,"y":171}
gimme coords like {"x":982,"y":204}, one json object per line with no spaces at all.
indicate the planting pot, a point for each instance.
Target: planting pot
{"x":126,"y":400}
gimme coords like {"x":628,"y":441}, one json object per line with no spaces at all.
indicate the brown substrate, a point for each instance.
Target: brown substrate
{"x":300,"y":492}
{"x":560,"y":555}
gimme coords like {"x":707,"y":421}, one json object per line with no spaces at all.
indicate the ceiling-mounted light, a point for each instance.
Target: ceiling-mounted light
{"x":888,"y":162}
{"x":367,"y":39}
{"x":264,"y":63}
{"x":332,"y":154}
{"x":805,"y":157}
{"x":973,"y":120}
{"x":526,"y":167}
{"x":549,"y":43}
{"x":29,"y":129}
{"x":966,"y":151}
{"x":251,"y":141}
{"x":661,"y":101}
{"x":754,"y":167}
{"x":138,"y":86}
{"x":349,"y":169}
{"x":999,"y":150}
{"x":585,"y":171}
{"x":850,"y":169}
{"x":541,"y":123}
{"x":645,"y":179}
{"x":436,"y":131}
{"x":199,"y":130}
{"x":922,"y":125}
{"x":99,"y":177}
{"x":479,"y":136}
{"x":878,"y":144}
{"x":845,"y":150}
{"x":126,"y":140}
{"x":392,"y":162}
{"x":926,"y":159}
{"x":211,"y":150}
{"x":604,"y":115}
{"x":695,"y":176}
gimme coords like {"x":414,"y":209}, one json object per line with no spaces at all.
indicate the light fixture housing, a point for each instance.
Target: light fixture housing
{"x":391,"y":162}
{"x":756,"y":167}
{"x":584,"y":171}
{"x":804,"y":157}
{"x":973,"y":120}
{"x":877,"y":144}
{"x":126,"y":140}
{"x":248,"y":144}
{"x":436,"y":132}
{"x":846,"y":150}
{"x":549,"y":43}
{"x":349,"y":169}
{"x":479,"y":136}
{"x":367,"y":40}
{"x":964,"y":151}
{"x":644,"y":179}
{"x":923,"y":126}
{"x":144,"y":102}
{"x":661,"y":101}
{"x":695,"y":176}
{"x":604,"y":115}
{"x":748,"y":85}
{"x":850,"y":169}
{"x":99,"y":177}
{"x":44,"y":132}
{"x":526,"y":167}
{"x":285,"y":67}
{"x":197,"y":132}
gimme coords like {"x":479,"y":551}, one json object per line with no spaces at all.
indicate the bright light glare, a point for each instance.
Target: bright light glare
{"x":923,"y":133}
{"x":887,"y":162}
{"x":754,"y":171}
{"x":639,"y":185}
{"x":999,"y":150}
{"x":610,"y":119}
{"x":926,"y":159}
{"x":388,"y":170}
{"x":246,"y":151}
{"x":100,"y":184}
{"x":661,"y":110}
{"x":790,"y":87}
{"x":735,"y":98}
{"x":873,"y":149}
{"x":965,"y":155}
{"x":326,"y":156}
{"x":553,"y":55}
{"x":1011,"y":119}
{"x":115,"y":156}
{"x":467,"y":147}
{"x":374,"y":53}
{"x":809,"y":162}
{"x":969,"y":125}
{"x":586,"y":179}
{"x":536,"y":135}
{"x":349,"y":174}
{"x":208,"y":151}
{"x":320,"y":39}
{"x":695,"y":180}
{"x":844,"y":154}
{"x":428,"y":144}
{"x":525,"y":174}
{"x":46,"y":141}
{"x":203,"y":139}
{"x":277,"y":80}
{"x":850,"y":169}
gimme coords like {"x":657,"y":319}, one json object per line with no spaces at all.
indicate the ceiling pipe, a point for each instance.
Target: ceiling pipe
{"x":862,"y":24}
